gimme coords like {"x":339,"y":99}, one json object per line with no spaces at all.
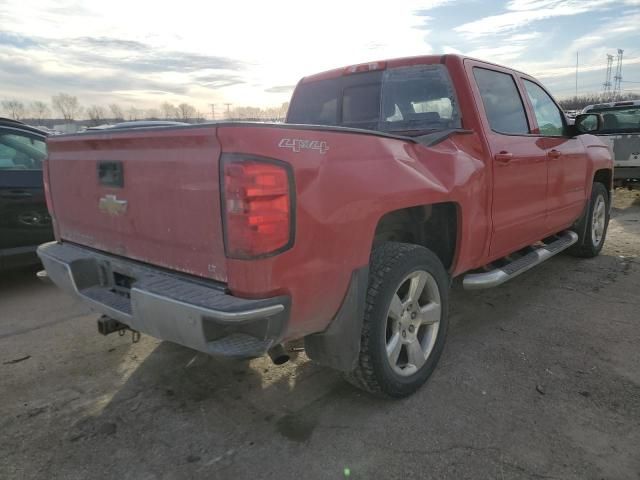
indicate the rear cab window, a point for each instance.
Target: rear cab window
{"x":403,"y":100}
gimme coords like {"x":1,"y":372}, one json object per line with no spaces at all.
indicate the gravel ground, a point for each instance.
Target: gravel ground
{"x":540,"y":379}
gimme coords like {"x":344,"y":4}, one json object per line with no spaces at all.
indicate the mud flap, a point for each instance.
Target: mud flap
{"x":339,"y":345}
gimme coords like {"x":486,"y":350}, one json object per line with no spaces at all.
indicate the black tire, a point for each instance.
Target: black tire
{"x":390,"y":263}
{"x":587,"y":246}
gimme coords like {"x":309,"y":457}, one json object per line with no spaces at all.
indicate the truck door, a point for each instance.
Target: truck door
{"x":24,"y":220}
{"x":518,"y":161}
{"x":566,"y":191}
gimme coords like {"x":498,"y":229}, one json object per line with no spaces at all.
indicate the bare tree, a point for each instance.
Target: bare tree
{"x":284,"y":109}
{"x":186,"y":111}
{"x":40,"y":110}
{"x":15,"y":108}
{"x":67,"y":105}
{"x":116,"y":112}
{"x":96,"y":114}
{"x":133,"y":114}
{"x":152,"y":114}
{"x":578,"y":103}
{"x":168,"y":110}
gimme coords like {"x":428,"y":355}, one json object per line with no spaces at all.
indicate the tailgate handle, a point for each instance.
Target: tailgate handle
{"x":16,"y":194}
{"x":111,"y":173}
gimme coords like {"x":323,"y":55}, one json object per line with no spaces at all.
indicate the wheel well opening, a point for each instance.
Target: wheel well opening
{"x":605,"y":177}
{"x":432,"y":226}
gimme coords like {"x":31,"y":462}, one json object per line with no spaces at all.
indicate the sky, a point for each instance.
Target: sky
{"x":142,"y":53}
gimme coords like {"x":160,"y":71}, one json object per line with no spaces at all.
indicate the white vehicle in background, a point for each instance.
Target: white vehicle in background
{"x":621,"y":131}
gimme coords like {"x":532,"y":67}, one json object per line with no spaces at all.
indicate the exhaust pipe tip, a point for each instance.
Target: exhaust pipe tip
{"x":43,"y":276}
{"x":278,"y":355}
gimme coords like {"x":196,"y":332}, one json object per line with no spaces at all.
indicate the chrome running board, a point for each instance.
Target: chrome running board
{"x":493,"y":278}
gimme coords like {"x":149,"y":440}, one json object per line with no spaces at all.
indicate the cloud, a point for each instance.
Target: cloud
{"x":503,"y":53}
{"x":103,"y":66}
{"x":14,"y":69}
{"x":626,"y":24}
{"x":112,"y":43}
{"x":280,"y":89}
{"x":18,"y":41}
{"x":523,"y":37}
{"x":135,"y":56}
{"x":523,"y":12}
{"x":218,"y":80}
{"x":448,"y":49}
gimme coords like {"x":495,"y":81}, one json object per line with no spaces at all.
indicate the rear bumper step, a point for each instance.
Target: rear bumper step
{"x":498,"y":276}
{"x":199,"y":315}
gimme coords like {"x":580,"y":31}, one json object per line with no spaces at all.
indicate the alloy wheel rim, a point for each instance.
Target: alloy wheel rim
{"x":412,"y":323}
{"x":598,"y":221}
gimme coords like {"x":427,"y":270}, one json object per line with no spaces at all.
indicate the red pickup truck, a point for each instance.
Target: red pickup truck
{"x":344,"y":226}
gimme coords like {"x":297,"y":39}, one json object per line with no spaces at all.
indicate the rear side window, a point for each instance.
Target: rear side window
{"x":21,"y":151}
{"x":502,"y":102}
{"x":547,"y":113}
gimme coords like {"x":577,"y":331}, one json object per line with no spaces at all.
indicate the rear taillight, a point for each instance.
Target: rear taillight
{"x":257,"y":206}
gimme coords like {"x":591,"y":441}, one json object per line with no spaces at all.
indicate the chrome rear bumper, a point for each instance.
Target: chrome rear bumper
{"x":198,"y":314}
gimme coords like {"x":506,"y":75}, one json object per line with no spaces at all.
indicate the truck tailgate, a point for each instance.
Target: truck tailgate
{"x":149,"y":194}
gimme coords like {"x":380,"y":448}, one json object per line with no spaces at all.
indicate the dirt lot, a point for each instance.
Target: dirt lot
{"x":540,"y":379}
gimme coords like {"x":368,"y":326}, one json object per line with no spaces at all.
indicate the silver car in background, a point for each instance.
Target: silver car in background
{"x":621,"y":131}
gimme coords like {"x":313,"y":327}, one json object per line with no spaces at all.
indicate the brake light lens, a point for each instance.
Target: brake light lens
{"x":365,"y":67}
{"x":257,"y":206}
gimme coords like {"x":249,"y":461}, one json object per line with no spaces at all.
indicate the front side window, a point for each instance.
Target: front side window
{"x":502,"y":102}
{"x":21,"y":151}
{"x":548,"y":115}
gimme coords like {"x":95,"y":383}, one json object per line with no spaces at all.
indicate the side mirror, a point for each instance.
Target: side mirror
{"x":588,"y":123}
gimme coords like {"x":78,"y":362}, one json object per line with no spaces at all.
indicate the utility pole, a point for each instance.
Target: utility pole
{"x":606,"y":86}
{"x":617,"y":79}
{"x":213,"y":111}
{"x":228,"y":108}
{"x":576,"y":75}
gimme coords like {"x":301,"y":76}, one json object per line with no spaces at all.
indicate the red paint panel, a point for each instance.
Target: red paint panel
{"x":171,"y":186}
{"x":340,"y":196}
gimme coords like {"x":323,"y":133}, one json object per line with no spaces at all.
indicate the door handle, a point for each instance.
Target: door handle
{"x":503,"y":157}
{"x":554,"y":154}
{"x":16,"y":194}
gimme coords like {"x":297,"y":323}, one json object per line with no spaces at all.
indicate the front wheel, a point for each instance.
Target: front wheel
{"x":405,"y":322}
{"x":594,"y":231}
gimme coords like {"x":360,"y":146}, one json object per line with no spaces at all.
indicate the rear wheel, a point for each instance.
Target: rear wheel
{"x":405,"y":321}
{"x":592,"y":236}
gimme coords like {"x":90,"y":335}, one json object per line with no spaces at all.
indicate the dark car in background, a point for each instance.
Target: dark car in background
{"x":24,"y":220}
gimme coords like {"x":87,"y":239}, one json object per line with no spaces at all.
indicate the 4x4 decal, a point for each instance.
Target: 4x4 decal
{"x":297,"y":145}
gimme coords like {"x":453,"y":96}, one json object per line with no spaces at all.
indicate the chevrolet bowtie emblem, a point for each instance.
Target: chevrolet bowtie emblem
{"x":111,"y":205}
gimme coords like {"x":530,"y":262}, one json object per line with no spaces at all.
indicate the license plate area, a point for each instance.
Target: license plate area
{"x":122,"y":284}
